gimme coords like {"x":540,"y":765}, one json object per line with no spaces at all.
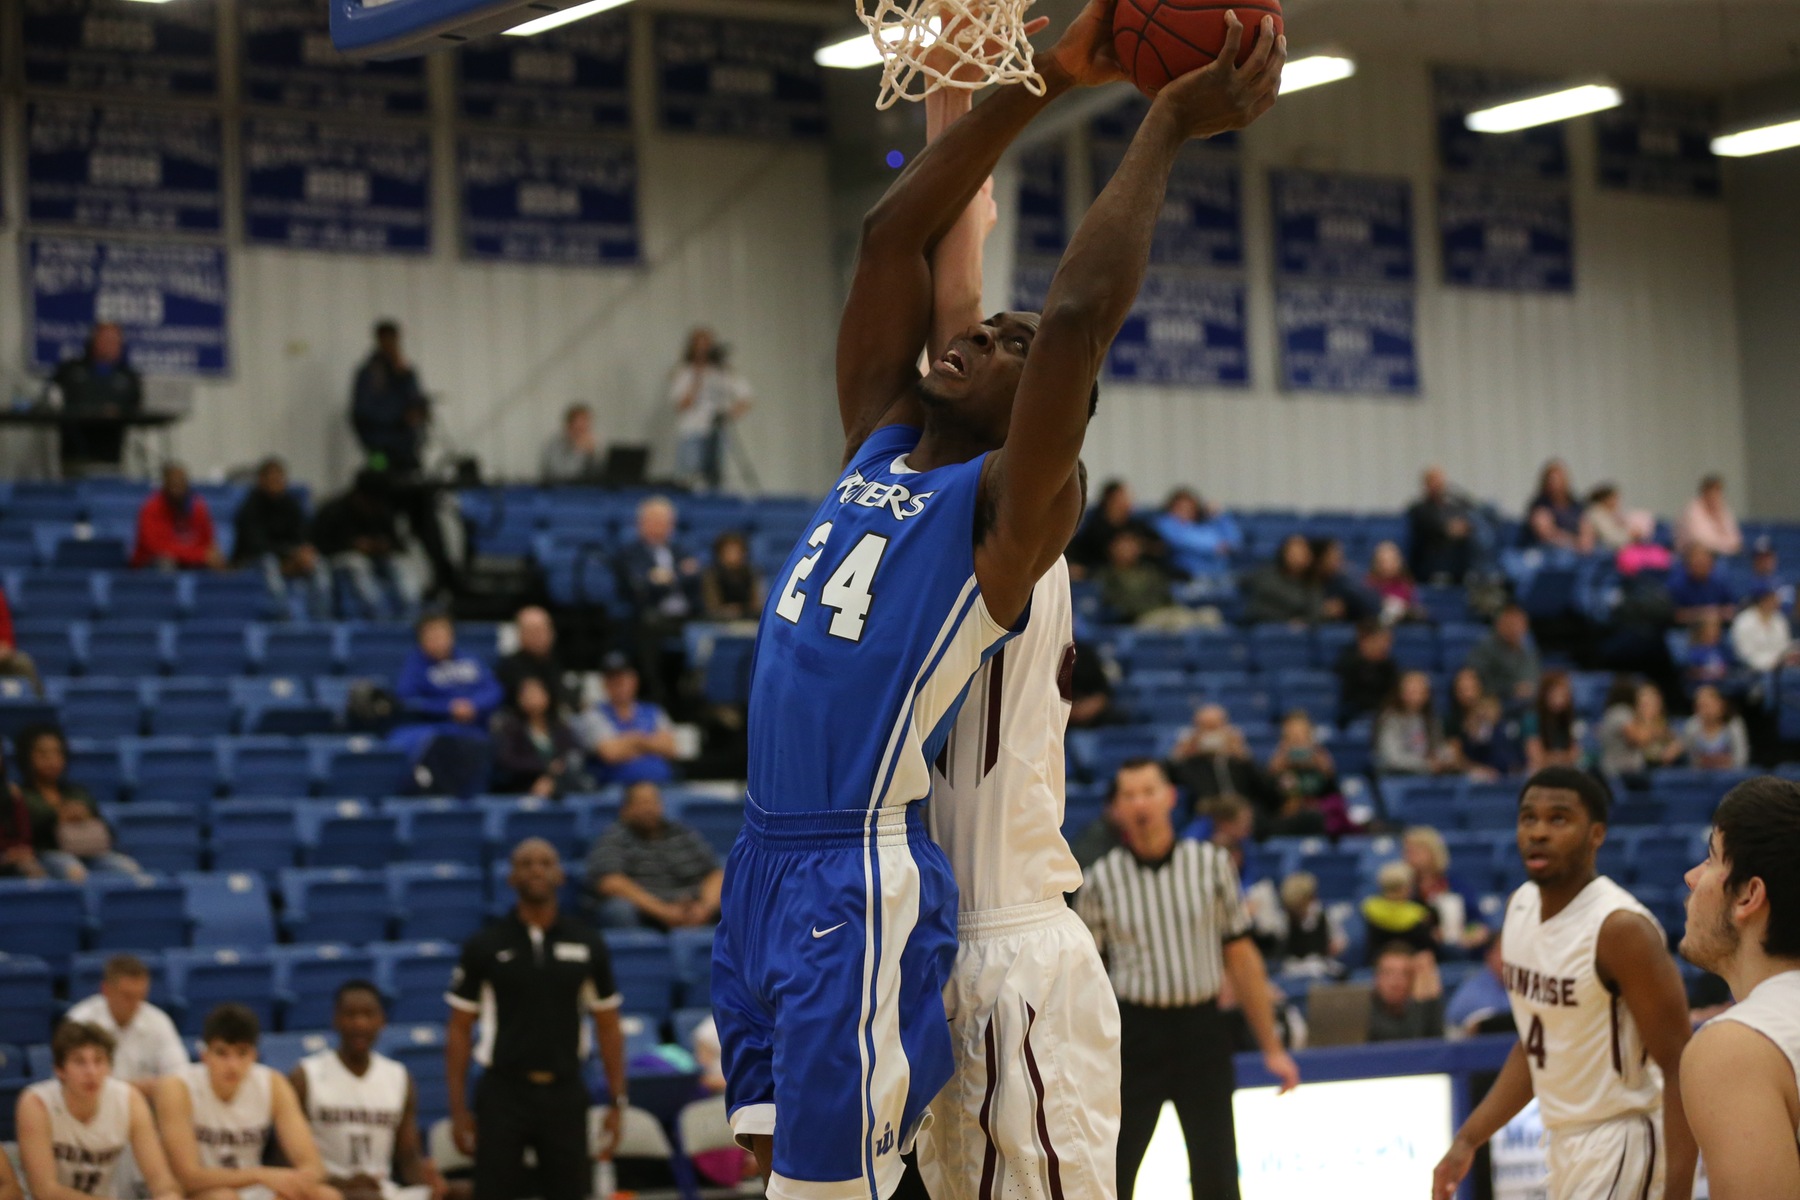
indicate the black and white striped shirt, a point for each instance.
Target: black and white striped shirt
{"x":1163,"y":925}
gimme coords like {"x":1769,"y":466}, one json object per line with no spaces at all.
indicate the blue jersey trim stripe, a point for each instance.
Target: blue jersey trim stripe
{"x":890,"y":759}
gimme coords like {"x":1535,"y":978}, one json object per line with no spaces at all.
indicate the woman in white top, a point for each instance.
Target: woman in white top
{"x":706,"y":394}
{"x":74,"y":1129}
{"x":1760,"y":635}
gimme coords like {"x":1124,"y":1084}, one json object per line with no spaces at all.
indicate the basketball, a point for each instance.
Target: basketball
{"x":1160,"y":40}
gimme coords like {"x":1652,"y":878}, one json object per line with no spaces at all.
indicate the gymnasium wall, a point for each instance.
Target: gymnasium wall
{"x":1635,"y":377}
{"x":733,"y":238}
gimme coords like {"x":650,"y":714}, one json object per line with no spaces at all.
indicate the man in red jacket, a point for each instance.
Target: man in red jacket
{"x":175,"y":530}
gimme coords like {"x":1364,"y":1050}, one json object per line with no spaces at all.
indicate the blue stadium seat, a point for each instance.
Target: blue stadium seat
{"x":130,"y":914}
{"x":1281,"y":648}
{"x":126,"y":647}
{"x":237,"y":595}
{"x":229,"y":908}
{"x":174,"y":770}
{"x":27,"y":1001}
{"x":599,"y":811}
{"x":96,"y":552}
{"x":204,"y":979}
{"x":281,"y":704}
{"x":644,"y":970}
{"x":255,"y":835}
{"x":366,"y":769}
{"x":691,"y":951}
{"x":379,"y":650}
{"x":50,"y":642}
{"x":420,"y":1049}
{"x":438,"y":829}
{"x":512,"y":820}
{"x":1339,"y":873}
{"x":436,"y":901}
{"x":144,"y":595}
{"x":269,"y":766}
{"x":307,"y":978}
{"x":189,"y":706}
{"x":347,"y":833}
{"x":297,"y":650}
{"x":717,"y":820}
{"x":283,"y":1051}
{"x":334,"y":904}
{"x":99,"y":707}
{"x":19,"y":710}
{"x":1662,"y":858}
{"x":212,"y":646}
{"x":43,"y":919}
{"x":414,"y":976}
{"x":685,"y":1021}
{"x":1416,"y":648}
{"x":89,"y":967}
{"x":162,"y":837}
{"x":57,"y":595}
{"x":333,"y":691}
{"x":12,"y":1063}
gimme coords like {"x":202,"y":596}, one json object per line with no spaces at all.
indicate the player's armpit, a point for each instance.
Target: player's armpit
{"x":1739,"y":1091}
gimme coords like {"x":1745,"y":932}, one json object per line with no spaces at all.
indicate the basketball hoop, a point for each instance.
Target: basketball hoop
{"x":986,"y":44}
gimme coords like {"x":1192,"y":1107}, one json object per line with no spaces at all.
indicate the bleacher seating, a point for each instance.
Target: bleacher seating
{"x":202,"y":979}
{"x":334,"y":904}
{"x":308,"y":976}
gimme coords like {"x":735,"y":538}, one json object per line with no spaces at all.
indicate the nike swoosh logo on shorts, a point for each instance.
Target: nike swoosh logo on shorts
{"x":819,"y":933}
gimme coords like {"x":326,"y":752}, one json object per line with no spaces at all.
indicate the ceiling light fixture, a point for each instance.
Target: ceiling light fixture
{"x":1760,"y":139}
{"x":1545,"y":108}
{"x":563,"y":17}
{"x":1315,"y":69}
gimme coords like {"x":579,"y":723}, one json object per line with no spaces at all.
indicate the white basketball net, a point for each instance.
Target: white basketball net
{"x":986,"y":45}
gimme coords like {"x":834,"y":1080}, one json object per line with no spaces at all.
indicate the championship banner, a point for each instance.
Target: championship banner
{"x":310,"y":185}
{"x":1185,"y":329}
{"x":1538,"y":153}
{"x":288,"y":61}
{"x":1349,"y":227}
{"x":1042,"y":205}
{"x":1345,"y":338}
{"x":571,"y":202}
{"x":750,"y":79}
{"x":1660,"y":143}
{"x":1506,"y":237}
{"x":169,"y":298}
{"x":577,"y":77}
{"x":169,"y":50}
{"x":123,"y":167}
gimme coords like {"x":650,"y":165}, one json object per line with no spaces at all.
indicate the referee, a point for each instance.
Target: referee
{"x":1168,"y":916}
{"x":531,"y":977}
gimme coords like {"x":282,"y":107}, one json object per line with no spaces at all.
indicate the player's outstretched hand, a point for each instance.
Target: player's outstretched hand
{"x":1451,"y":1170}
{"x":1220,"y":96}
{"x":1085,"y":51}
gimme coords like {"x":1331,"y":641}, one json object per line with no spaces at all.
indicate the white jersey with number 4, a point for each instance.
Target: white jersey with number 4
{"x":87,"y":1152}
{"x":354,"y":1118}
{"x":231,"y":1135}
{"x":1773,"y":1009}
{"x":1588,"y":1061}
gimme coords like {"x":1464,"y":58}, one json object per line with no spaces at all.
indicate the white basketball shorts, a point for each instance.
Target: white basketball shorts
{"x":1032,"y":1112}
{"x":1621,"y":1159}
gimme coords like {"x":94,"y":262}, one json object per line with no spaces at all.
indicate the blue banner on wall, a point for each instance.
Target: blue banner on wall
{"x":120,"y":46}
{"x":315,"y":186}
{"x":578,"y":77}
{"x":289,"y":62}
{"x":1043,"y":203}
{"x":1351,"y":227}
{"x":1201,"y":223}
{"x":1511,"y":237}
{"x":528,"y":199}
{"x":1184,"y":329}
{"x":1539,"y":153}
{"x":1031,"y":283}
{"x":168,"y":297}
{"x":122,"y":167}
{"x":1345,"y":338}
{"x":739,"y":78}
{"x":1660,"y":143}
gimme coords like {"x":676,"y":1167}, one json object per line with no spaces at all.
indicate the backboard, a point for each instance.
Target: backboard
{"x":399,"y":28}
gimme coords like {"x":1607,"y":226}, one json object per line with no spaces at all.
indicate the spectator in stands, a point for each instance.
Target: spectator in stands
{"x":1136,"y":592}
{"x":572,"y":455}
{"x":662,"y":582}
{"x":1708,"y":521}
{"x":1715,"y":735}
{"x":1634,"y":732}
{"x":650,"y":870}
{"x":388,"y":408}
{"x":1091,"y":691}
{"x":442,"y":693}
{"x":67,"y":832}
{"x":1700,"y":590}
{"x":174,"y":527}
{"x":1479,"y":1004}
{"x":1201,"y":538}
{"x":146,"y":1045}
{"x":1409,"y":997}
{"x":1213,"y":759}
{"x":18,"y":852}
{"x":272,"y":536}
{"x":14,"y":661}
{"x":104,"y":388}
{"x":1455,"y":923}
{"x":1228,"y":823}
{"x":1285,"y":590}
{"x":1608,"y":526}
{"x":1488,"y":744}
{"x":535,"y":750}
{"x":730,"y":587}
{"x":1395,"y":915}
{"x":1553,"y":518}
{"x":1367,"y":674}
{"x":1306,"y":778}
{"x":1760,"y":635}
{"x":1442,"y":531}
{"x":1341,"y":598}
{"x":536,"y":658}
{"x":1299,"y":938}
{"x":1089,"y":549}
{"x":708,"y":395}
{"x":633,"y":739}
{"x":359,"y":534}
{"x":1392,"y":586}
{"x":1765,"y":571}
{"x":1707,"y":660}
{"x":1555,"y":735}
{"x":1507,"y":659}
{"x":1466,"y":692}
{"x":1409,"y":738}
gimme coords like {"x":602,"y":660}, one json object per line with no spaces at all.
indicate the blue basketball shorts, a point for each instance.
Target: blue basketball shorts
{"x":837,"y":936}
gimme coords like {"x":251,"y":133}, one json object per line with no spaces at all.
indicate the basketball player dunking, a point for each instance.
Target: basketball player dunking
{"x":1740,"y":1077}
{"x":1597,"y":999}
{"x":838,"y":928}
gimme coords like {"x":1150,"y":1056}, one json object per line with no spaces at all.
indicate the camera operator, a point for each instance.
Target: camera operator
{"x":706,"y":394}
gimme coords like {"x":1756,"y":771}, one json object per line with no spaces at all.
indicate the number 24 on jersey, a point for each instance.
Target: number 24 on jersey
{"x":848,"y":593}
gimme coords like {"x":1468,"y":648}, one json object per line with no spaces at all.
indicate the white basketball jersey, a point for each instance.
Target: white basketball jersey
{"x":1588,"y":1061}
{"x":87,"y":1152}
{"x":1773,"y":1009}
{"x":354,"y":1118}
{"x":997,"y":789}
{"x":231,"y":1136}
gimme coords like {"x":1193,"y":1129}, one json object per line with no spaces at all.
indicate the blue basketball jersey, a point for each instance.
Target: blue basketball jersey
{"x":871,"y":633}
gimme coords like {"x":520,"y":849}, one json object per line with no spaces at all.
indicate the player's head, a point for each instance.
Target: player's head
{"x":358,"y":1016}
{"x":537,"y":873}
{"x":970,"y":388}
{"x":82,"y":1055}
{"x":125,"y":985}
{"x":1562,"y":822}
{"x":228,"y":1046}
{"x":1747,"y":892}
{"x":1142,"y":800}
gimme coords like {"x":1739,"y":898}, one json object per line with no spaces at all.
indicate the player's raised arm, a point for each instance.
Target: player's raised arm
{"x":1632,"y":956}
{"x":887,"y":318}
{"x":1090,"y":297}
